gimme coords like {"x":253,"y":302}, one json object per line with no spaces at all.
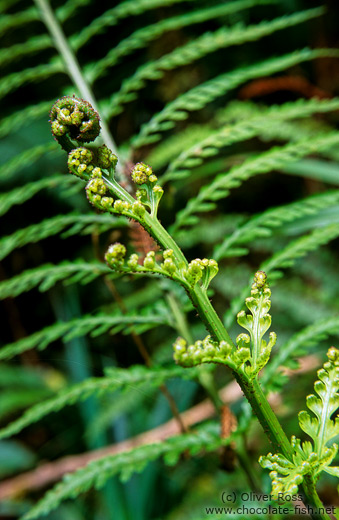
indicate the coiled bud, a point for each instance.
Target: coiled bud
{"x":76,"y":118}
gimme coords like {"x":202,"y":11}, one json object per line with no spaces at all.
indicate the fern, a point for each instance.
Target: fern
{"x":206,"y":438}
{"x":46,"y":276}
{"x":83,"y":224}
{"x":243,"y":130}
{"x":296,"y":346}
{"x":262,"y":225}
{"x":23,"y":159}
{"x":195,"y":50}
{"x":142,"y":37}
{"x":273,"y":159}
{"x":116,"y":378}
{"x":22,"y":117}
{"x":198,"y":97}
{"x":23,"y":193}
{"x":90,"y":324}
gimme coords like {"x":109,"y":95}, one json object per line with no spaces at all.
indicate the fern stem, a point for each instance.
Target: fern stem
{"x":72,"y":64}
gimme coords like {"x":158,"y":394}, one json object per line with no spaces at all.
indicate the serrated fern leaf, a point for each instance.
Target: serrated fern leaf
{"x":262,"y":225}
{"x":23,"y":117}
{"x":198,"y":97}
{"x":12,"y":21}
{"x":286,"y":258}
{"x":243,"y":130}
{"x":198,"y":48}
{"x":300,"y":247}
{"x":112,"y":16}
{"x":308,"y":459}
{"x":89,"y":324}
{"x":20,"y":50}
{"x":117,"y":378}
{"x":320,"y":427}
{"x":97,"y":473}
{"x":275,"y":158}
{"x":142,"y":37}
{"x":13,"y":81}
{"x":77,"y":224}
{"x":26,"y":158}
{"x":46,"y":276}
{"x":298,"y":343}
{"x":27,"y":191}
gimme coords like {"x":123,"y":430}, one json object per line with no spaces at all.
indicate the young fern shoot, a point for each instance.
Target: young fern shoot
{"x":75,"y":122}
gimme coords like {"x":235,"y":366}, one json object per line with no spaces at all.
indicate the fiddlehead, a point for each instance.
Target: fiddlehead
{"x":75,"y":119}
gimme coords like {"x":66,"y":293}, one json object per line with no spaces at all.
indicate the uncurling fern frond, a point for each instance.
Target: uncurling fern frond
{"x":243,"y":130}
{"x":145,"y":35}
{"x":311,"y":458}
{"x":46,"y":276}
{"x":192,"y":51}
{"x":116,"y":378}
{"x":274,"y":158}
{"x":296,"y":346}
{"x":27,"y":191}
{"x":112,"y":16}
{"x":262,"y":225}
{"x":83,"y":224}
{"x":198,"y":97}
{"x":286,"y":258}
{"x":95,"y":325}
{"x":96,"y":474}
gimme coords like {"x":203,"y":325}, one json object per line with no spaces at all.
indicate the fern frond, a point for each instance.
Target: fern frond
{"x":300,"y":247}
{"x":26,"y":158}
{"x":27,"y":191}
{"x":116,"y":378}
{"x":90,"y":324}
{"x":23,"y":117}
{"x":316,"y":169}
{"x":112,"y":16}
{"x":20,"y":50}
{"x":80,"y":224}
{"x":274,"y":158}
{"x":142,"y":37}
{"x":13,"y":81}
{"x":12,"y":21}
{"x":262,"y":225}
{"x":46,"y":276}
{"x":297,"y":345}
{"x":198,"y":48}
{"x":198,"y":97}
{"x":96,"y":473}
{"x":242,"y":131}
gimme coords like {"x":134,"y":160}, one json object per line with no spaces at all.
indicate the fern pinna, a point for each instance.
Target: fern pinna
{"x":241,"y":185}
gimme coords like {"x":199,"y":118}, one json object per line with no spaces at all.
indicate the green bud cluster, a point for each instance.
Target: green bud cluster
{"x":115,"y":254}
{"x":209,"y":351}
{"x":204,"y":270}
{"x":257,"y":323}
{"x":142,"y":174}
{"x":75,"y":117}
{"x":105,"y":158}
{"x":80,"y":162}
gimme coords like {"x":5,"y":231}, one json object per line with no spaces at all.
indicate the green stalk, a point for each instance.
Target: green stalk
{"x":251,"y":387}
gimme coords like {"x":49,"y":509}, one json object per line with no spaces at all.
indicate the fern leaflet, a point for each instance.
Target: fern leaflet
{"x":116,"y":378}
{"x":275,"y":158}
{"x":198,"y":48}
{"x":198,"y":97}
{"x":96,"y":473}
